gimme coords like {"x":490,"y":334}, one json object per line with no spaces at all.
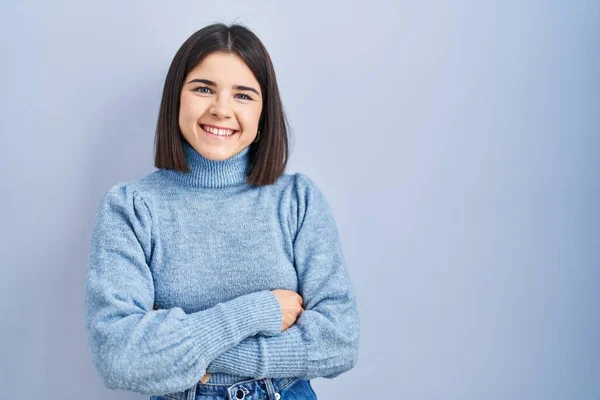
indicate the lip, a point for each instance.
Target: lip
{"x":213,"y":136}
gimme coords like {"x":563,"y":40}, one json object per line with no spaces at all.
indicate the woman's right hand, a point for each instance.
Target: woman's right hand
{"x":291,"y":306}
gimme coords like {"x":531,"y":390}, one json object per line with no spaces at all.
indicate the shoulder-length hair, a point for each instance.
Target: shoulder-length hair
{"x":269,"y":155}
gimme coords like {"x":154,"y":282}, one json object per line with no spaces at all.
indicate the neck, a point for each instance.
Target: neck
{"x":205,"y":173}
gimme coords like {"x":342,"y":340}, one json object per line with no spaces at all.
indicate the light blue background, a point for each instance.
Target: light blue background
{"x":457,"y":143}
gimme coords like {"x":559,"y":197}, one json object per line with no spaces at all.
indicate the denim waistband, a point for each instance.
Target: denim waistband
{"x":253,"y":388}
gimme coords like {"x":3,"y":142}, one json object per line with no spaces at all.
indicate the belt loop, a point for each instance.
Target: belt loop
{"x":191,"y":393}
{"x":270,"y":388}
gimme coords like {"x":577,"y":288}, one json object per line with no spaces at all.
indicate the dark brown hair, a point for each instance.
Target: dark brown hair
{"x":268,"y":157}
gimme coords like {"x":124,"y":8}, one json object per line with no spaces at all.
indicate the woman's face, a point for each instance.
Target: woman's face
{"x":220,"y":92}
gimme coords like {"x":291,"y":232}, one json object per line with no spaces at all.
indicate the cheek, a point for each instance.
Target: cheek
{"x":191,"y":109}
{"x":249,"y":118}
{"x":184,"y":111}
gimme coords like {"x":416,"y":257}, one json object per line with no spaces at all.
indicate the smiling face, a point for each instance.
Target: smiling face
{"x":220,"y":96}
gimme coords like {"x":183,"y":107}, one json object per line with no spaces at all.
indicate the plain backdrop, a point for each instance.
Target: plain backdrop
{"x":457,"y":143}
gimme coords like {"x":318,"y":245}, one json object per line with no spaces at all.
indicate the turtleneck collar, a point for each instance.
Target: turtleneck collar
{"x":205,"y":173}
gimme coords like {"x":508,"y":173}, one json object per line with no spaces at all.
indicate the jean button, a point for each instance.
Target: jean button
{"x":239,"y":394}
{"x":277,"y":396}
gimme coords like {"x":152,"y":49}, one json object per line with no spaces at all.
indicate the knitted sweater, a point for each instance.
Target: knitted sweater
{"x":180,"y":273}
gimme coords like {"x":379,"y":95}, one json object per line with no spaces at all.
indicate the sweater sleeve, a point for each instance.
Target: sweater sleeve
{"x":135,"y":347}
{"x":324,"y":340}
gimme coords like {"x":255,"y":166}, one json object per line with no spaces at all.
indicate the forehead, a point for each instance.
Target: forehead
{"x":225,"y":69}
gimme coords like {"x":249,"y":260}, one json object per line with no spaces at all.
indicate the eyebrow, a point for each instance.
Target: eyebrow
{"x":237,"y":87}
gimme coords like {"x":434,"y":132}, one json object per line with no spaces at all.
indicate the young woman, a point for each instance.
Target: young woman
{"x":219,"y":276}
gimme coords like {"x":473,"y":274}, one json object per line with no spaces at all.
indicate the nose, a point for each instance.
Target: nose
{"x":221,"y":107}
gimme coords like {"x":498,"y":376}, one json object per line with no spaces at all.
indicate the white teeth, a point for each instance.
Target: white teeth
{"x":220,"y":132}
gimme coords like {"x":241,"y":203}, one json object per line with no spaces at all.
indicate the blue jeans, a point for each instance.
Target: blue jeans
{"x":256,"y":389}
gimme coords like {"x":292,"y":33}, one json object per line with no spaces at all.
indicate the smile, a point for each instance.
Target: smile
{"x":218,"y":131}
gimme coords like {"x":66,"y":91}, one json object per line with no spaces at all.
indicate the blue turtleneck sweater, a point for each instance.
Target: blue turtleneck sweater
{"x":180,"y":274}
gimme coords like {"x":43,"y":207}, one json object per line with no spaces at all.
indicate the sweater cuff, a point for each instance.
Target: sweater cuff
{"x":280,"y":356}
{"x":243,"y":316}
{"x":270,"y":314}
